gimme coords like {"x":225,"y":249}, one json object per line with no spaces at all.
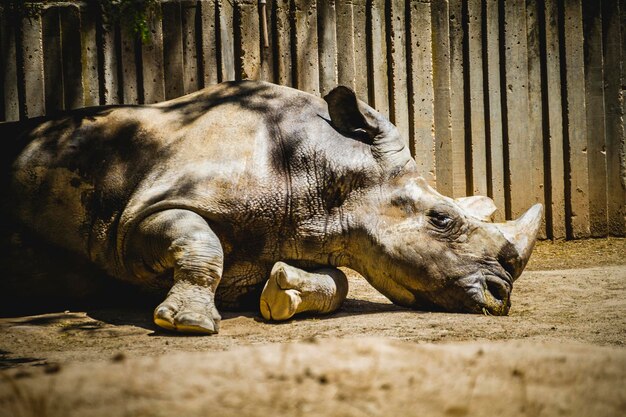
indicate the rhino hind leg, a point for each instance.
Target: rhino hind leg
{"x":290,"y":291}
{"x":181,"y":241}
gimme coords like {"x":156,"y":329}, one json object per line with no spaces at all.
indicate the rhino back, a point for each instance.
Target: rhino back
{"x":233,"y":163}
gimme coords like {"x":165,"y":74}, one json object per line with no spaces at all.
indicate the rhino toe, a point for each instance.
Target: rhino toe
{"x":164,"y":317}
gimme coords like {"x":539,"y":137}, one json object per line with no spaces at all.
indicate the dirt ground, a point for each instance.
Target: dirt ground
{"x":561,"y":351}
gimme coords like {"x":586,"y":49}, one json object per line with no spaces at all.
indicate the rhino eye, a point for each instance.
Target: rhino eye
{"x":440,"y":220}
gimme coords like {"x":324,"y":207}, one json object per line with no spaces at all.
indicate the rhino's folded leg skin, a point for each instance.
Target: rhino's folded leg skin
{"x":291,"y":290}
{"x":182,"y":241}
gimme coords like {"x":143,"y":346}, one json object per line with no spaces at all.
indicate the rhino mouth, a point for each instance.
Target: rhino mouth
{"x":479,"y":293}
{"x":496,"y":296}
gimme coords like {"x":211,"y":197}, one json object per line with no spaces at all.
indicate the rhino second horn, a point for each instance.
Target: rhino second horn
{"x":478,"y":206}
{"x":522,"y":233}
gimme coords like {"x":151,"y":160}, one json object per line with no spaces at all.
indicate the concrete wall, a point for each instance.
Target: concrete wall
{"x":519,"y":100}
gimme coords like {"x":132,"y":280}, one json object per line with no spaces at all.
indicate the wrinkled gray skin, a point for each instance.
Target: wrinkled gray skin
{"x":202,"y":195}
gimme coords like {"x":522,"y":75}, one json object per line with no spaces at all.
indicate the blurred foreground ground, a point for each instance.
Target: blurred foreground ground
{"x":561,"y":351}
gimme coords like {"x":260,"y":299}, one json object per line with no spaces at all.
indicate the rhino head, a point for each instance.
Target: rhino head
{"x":422,"y":249}
{"x":432,"y":251}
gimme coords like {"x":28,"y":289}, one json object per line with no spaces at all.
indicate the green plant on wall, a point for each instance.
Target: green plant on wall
{"x":133,"y":14}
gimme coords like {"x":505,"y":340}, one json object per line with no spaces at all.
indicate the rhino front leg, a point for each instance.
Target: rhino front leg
{"x":183,"y":241}
{"x":291,"y":290}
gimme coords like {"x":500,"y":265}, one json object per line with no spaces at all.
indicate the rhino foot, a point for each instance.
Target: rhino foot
{"x":291,"y":290}
{"x":279,"y":299}
{"x":188,"y":308}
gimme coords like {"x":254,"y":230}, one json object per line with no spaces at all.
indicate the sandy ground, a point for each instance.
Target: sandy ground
{"x":561,"y":351}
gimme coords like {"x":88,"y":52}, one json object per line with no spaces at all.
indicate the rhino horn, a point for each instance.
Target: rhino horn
{"x":521,"y":234}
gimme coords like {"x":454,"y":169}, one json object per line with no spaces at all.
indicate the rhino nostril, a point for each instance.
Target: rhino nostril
{"x":497,"y":289}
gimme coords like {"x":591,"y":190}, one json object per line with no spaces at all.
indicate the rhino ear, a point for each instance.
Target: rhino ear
{"x":478,"y":206}
{"x":349,"y":117}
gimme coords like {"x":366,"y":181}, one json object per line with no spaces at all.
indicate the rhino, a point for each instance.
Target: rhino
{"x":252,"y":195}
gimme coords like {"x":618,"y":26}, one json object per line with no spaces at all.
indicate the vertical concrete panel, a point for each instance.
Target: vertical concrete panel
{"x":72,"y":57}
{"x":614,"y":36}
{"x":110,"y":79}
{"x":457,"y":103}
{"x":555,"y":209}
{"x":247,"y":50}
{"x":89,"y":55}
{"x":227,"y":40}
{"x":422,"y":94}
{"x":441,"y":81}
{"x":577,"y":185}
{"x":345,"y":44}
{"x":152,"y":65}
{"x":282,"y":35}
{"x":173,"y":50}
{"x":477,"y":99}
{"x":8,"y":76}
{"x":33,"y":103}
{"x":190,"y":52}
{"x":130,"y":93}
{"x":535,"y":127}
{"x":621,"y":128}
{"x":519,"y":144}
{"x":53,"y":60}
{"x":306,"y":59}
{"x":399,"y":104}
{"x":379,"y":84}
{"x":267,"y":52}
{"x":495,"y":184}
{"x":209,"y":42}
{"x":360,"y":48}
{"x":594,"y":98}
{"x":327,"y":40}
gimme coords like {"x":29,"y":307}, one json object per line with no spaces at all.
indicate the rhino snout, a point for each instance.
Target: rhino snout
{"x":490,"y":289}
